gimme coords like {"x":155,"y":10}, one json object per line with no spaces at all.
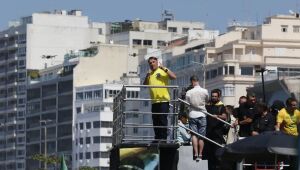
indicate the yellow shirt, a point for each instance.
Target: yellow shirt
{"x":289,"y":122}
{"x":159,"y":78}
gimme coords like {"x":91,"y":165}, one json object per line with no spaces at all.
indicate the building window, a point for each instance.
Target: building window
{"x":96,"y":139}
{"x":80,"y":155}
{"x":88,"y":95}
{"x":105,"y":139}
{"x":172,"y":29}
{"x":97,"y":94}
{"x":88,"y":125}
{"x":106,"y":124}
{"x":214,"y":73}
{"x":96,"y":155}
{"x":296,"y":28}
{"x":135,"y":130}
{"x":104,"y":154}
{"x":81,"y":141}
{"x":231,"y":70}
{"x":136,"y":42}
{"x":78,"y":110}
{"x":161,"y":43}
{"x":100,"y":31}
{"x":88,"y":140}
{"x":147,"y":42}
{"x":207,"y":75}
{"x":228,"y":91}
{"x":88,"y":155}
{"x":247,"y":71}
{"x":185,"y":30}
{"x":96,"y":124}
{"x":81,"y":126}
{"x":220,"y":71}
{"x":225,"y":70}
{"x":284,"y":28}
{"x":79,"y":96}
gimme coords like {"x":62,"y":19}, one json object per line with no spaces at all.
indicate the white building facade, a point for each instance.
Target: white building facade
{"x":35,"y":42}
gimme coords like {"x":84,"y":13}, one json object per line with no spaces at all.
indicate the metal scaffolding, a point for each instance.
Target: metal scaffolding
{"x":132,"y":121}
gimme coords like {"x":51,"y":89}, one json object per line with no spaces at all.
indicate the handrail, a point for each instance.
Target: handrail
{"x":129,"y":109}
{"x":201,"y":136}
{"x":185,"y":102}
{"x":151,"y":86}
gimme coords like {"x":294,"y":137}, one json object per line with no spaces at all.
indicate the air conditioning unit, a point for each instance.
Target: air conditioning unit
{"x":109,"y":131}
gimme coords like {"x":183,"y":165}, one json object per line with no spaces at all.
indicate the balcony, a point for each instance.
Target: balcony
{"x":11,"y":58}
{"x":11,"y":70}
{"x":2,"y":61}
{"x":12,"y":96}
{"x":11,"y":134}
{"x":249,"y":58}
{"x":12,"y":82}
{"x":10,"y":146}
{"x":227,"y":57}
{"x":11,"y":120}
{"x":11,"y":108}
{"x":11,"y":46}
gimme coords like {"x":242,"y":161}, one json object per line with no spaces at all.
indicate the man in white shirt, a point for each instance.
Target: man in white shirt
{"x":197,"y":97}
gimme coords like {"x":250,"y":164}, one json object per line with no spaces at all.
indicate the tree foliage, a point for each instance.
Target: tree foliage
{"x":49,"y":159}
{"x":86,"y":168}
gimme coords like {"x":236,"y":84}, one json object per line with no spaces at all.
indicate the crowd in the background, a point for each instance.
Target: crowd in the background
{"x":248,"y":119}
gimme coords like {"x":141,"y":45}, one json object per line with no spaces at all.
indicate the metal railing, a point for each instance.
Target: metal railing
{"x":132,"y":122}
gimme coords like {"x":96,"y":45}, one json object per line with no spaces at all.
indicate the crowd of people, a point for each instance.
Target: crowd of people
{"x":248,"y":119}
{"x":206,"y":113}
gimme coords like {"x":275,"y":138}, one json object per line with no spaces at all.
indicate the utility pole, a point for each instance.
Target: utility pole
{"x":45,"y":139}
{"x":261,"y":71}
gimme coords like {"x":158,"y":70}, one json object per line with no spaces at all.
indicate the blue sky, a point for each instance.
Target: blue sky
{"x":214,"y":13}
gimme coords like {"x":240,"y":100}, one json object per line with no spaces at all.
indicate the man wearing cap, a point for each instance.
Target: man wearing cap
{"x":159,"y":76}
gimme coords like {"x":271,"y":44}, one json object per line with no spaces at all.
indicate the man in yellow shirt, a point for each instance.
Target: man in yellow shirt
{"x":288,"y":118}
{"x":159,"y":76}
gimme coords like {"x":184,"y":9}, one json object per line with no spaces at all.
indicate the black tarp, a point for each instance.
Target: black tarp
{"x":261,"y":147}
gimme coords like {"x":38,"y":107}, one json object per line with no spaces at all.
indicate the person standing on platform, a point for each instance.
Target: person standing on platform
{"x":215,"y":128}
{"x":288,"y":118}
{"x":265,"y":121}
{"x":197,"y":97}
{"x":246,"y":115}
{"x":159,"y":76}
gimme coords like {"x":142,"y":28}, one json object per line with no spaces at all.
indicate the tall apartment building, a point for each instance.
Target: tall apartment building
{"x":35,"y":42}
{"x":49,"y":105}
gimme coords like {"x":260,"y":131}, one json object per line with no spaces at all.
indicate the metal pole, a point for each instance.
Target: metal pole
{"x":45,"y":140}
{"x":204,"y":77}
{"x":263,"y":84}
{"x":204,"y":137}
{"x":45,"y":163}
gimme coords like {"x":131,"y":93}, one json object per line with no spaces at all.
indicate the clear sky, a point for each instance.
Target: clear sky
{"x":214,"y":13}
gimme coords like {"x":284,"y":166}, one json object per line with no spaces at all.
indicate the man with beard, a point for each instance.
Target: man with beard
{"x":246,"y":115}
{"x":214,"y":128}
{"x":159,"y":76}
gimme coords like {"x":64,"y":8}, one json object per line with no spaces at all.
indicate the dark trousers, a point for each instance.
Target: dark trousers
{"x":160,"y":119}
